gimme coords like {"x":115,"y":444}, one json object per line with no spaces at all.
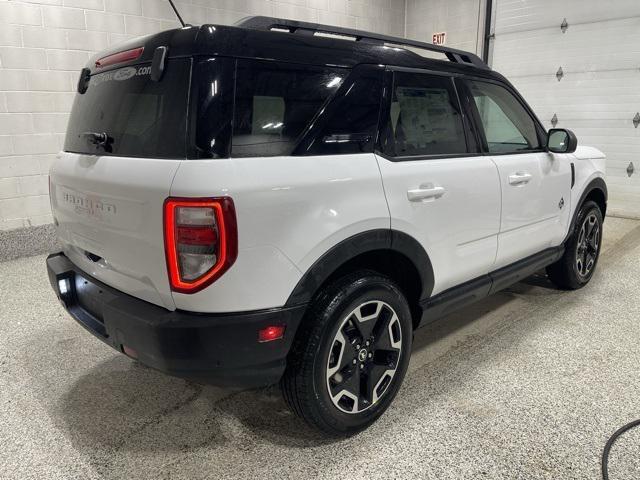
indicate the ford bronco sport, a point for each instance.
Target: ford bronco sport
{"x":284,"y":201}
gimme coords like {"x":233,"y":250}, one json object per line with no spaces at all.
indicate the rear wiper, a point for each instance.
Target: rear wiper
{"x":98,"y":139}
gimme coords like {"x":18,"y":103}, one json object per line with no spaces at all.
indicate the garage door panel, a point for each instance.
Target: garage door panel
{"x":523,"y":15}
{"x":623,"y":204}
{"x":615,"y":119}
{"x":624,"y":185}
{"x":621,"y":80}
{"x":599,"y":92}
{"x":610,"y":145}
{"x":578,"y":99}
{"x":529,"y":53}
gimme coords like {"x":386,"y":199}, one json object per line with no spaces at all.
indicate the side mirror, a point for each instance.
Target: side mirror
{"x":560,"y":140}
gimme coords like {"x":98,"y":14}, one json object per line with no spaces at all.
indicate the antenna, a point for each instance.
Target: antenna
{"x":177,"y":14}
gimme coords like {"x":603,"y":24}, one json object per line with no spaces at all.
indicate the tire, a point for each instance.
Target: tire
{"x":334,"y":335}
{"x":582,"y":250}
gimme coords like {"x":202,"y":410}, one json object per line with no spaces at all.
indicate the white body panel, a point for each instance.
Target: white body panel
{"x":533,"y":187}
{"x":459,"y":229}
{"x":599,"y":94}
{"x":112,"y":208}
{"x":590,"y":163}
{"x":290,"y":211}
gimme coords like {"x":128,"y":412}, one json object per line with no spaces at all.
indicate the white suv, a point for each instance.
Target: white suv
{"x":282,"y":201}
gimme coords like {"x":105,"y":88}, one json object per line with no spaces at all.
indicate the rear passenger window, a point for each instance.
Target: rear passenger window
{"x":352,"y":118}
{"x":275,"y":102}
{"x":424,"y":117}
{"x":508,"y":127}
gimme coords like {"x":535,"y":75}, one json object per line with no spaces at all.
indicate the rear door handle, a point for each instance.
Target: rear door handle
{"x":520,"y":178}
{"x":425,"y":192}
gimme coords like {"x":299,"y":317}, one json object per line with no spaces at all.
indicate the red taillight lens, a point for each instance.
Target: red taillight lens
{"x":270,"y":333}
{"x":202,"y":236}
{"x":201,"y":241}
{"x":120,"y":57}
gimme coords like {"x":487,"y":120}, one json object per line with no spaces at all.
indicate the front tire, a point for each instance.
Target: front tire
{"x":582,"y":250}
{"x":350,"y":355}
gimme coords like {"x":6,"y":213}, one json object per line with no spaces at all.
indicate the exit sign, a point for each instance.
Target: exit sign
{"x":439,"y":38}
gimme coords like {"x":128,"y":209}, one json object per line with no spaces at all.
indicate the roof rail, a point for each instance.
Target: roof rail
{"x":305,"y":28}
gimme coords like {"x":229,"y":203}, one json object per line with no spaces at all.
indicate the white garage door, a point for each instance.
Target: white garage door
{"x":597,"y":94}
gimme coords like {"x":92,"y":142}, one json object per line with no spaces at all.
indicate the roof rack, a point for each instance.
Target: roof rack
{"x":305,"y":28}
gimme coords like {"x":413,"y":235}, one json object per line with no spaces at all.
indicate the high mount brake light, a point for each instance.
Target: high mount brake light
{"x":201,"y":241}
{"x":120,"y":57}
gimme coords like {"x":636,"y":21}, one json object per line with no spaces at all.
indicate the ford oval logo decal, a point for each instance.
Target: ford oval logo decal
{"x":125,"y":73}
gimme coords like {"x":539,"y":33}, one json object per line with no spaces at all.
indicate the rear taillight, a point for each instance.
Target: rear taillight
{"x":201,"y":241}
{"x":120,"y":57}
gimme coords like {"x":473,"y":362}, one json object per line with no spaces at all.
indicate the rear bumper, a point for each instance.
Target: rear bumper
{"x":222,"y":349}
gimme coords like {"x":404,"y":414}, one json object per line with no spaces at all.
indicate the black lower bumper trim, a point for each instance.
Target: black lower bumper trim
{"x":222,"y":349}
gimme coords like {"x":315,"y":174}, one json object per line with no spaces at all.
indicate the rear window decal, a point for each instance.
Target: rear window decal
{"x":121,"y":74}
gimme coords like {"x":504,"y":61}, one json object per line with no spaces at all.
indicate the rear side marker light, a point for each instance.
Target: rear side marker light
{"x":271,"y":333}
{"x":120,"y":57}
{"x":201,"y":241}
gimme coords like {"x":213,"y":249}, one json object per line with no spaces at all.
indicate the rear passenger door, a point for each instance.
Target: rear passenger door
{"x":535,"y":184}
{"x":440,"y":189}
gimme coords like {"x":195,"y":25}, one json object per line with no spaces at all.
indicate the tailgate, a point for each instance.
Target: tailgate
{"x":109,"y":216}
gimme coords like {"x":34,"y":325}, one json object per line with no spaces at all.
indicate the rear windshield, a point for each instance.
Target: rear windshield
{"x":140,"y":117}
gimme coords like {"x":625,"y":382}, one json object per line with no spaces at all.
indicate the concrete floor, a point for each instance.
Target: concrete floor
{"x":527,"y":384}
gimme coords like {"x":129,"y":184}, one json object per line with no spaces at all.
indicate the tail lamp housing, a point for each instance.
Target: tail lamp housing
{"x":201,"y":241}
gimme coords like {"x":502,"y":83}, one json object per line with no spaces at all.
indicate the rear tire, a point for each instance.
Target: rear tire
{"x":582,"y":250}
{"x":350,"y":354}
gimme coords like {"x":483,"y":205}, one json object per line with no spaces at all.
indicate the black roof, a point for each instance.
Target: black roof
{"x":306,"y":43}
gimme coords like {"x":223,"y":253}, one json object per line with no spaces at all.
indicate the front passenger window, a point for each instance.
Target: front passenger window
{"x":508,"y":127}
{"x":424,"y":117}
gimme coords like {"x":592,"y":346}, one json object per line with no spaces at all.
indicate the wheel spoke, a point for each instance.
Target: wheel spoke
{"x":370,"y":383}
{"x":590,"y":223}
{"x":388,"y":337}
{"x":337,"y":358}
{"x":367,"y":316}
{"x":582,"y":235}
{"x":349,"y":383}
{"x":351,"y":330}
{"x":380,"y":331}
{"x":590,"y":260}
{"x":351,"y":380}
{"x":593,"y":239}
{"x":386,"y":358}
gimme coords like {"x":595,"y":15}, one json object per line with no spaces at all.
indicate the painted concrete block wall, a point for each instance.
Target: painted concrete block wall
{"x":463,"y":20}
{"x":45,"y":43}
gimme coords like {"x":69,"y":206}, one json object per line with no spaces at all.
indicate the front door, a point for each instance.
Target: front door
{"x":535,"y":184}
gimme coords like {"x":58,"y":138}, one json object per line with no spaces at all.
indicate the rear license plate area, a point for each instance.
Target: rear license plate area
{"x":90,"y":297}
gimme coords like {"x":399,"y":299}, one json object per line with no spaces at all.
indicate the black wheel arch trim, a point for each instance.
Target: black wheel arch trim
{"x":597,"y":183}
{"x":364,"y":242}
